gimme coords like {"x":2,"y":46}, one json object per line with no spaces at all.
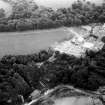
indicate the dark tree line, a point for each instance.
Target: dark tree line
{"x":29,"y":16}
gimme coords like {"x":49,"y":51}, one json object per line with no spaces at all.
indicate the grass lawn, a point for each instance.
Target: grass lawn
{"x":30,"y":41}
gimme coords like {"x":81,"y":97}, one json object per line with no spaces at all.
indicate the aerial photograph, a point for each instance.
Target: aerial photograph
{"x":52,"y":52}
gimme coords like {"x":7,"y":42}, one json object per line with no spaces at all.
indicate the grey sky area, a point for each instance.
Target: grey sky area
{"x":61,"y":3}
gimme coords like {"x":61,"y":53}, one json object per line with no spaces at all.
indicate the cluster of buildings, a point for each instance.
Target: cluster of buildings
{"x":78,"y":45}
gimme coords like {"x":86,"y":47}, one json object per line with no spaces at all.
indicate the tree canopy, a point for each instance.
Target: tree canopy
{"x":80,"y":13}
{"x":2,"y":13}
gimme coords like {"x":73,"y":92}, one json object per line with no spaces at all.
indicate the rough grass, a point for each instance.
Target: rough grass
{"x":29,"y":42}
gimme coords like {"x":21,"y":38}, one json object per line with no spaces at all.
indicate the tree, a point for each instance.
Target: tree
{"x":2,"y":13}
{"x":45,"y":23}
{"x":12,"y":24}
{"x":23,"y":8}
{"x":24,"y":24}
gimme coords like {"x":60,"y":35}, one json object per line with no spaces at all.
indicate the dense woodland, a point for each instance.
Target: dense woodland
{"x":20,"y":75}
{"x":29,"y":16}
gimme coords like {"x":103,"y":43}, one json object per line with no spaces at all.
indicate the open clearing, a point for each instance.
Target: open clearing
{"x":29,"y":42}
{"x":74,"y":101}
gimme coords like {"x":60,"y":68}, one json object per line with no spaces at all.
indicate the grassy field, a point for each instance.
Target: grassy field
{"x":29,"y":42}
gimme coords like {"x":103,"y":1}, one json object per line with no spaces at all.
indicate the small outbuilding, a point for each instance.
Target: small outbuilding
{"x":88,"y":45}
